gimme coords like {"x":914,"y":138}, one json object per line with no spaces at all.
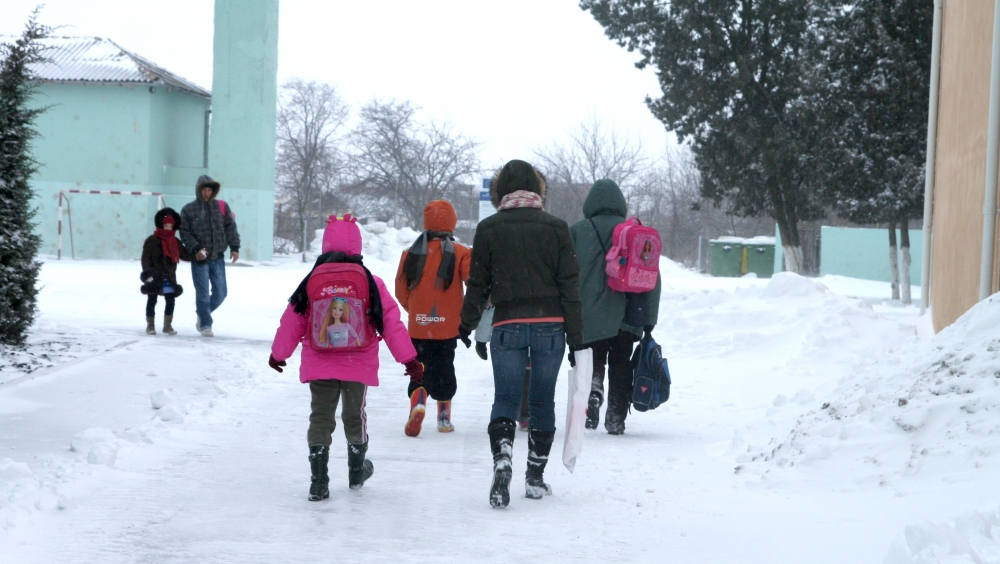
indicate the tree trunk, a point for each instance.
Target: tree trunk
{"x":305,"y":237}
{"x":904,"y":274}
{"x":893,"y":262}
{"x":790,"y":245}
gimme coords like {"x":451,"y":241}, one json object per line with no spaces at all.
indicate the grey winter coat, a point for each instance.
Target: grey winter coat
{"x":205,"y":226}
{"x":604,"y":310}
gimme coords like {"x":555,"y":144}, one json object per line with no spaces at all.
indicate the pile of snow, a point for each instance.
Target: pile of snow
{"x":379,"y":241}
{"x":972,"y":538}
{"x":932,"y":409}
{"x":791,"y":322}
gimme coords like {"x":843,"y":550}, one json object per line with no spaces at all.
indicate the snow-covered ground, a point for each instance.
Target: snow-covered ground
{"x":808,"y":423}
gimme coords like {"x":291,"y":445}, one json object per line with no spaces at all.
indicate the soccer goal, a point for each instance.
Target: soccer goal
{"x":63,"y":195}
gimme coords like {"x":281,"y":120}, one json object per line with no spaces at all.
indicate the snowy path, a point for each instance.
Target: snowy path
{"x":230,"y":487}
{"x":228,"y":482}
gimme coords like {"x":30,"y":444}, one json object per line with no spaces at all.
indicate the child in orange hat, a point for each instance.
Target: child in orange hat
{"x":429,"y":287}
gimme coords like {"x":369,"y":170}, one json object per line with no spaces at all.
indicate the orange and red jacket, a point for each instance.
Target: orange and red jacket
{"x":435,"y":313}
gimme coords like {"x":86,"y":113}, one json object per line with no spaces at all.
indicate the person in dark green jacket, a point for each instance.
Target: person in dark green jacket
{"x":612,"y":321}
{"x":523,"y":261}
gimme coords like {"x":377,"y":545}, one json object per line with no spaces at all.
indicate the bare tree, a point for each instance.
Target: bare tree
{"x":667,"y":197}
{"x":310,"y":117}
{"x":396,"y":159}
{"x":592,"y":152}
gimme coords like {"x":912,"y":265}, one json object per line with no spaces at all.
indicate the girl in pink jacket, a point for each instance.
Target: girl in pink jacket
{"x":336,"y":371}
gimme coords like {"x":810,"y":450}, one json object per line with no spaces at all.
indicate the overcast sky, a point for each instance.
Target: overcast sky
{"x":514,"y":74}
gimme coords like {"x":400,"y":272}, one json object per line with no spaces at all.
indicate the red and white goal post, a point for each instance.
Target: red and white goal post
{"x":62,"y":194}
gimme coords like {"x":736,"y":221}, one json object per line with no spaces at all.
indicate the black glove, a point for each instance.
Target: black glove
{"x":648,"y":332}
{"x":571,"y":357}
{"x":481,"y":350}
{"x":463,"y":334}
{"x":276,"y":364}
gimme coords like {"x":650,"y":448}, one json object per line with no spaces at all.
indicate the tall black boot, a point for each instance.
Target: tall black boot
{"x":501,"y":432}
{"x":319,"y":458}
{"x":614,"y":418}
{"x":358,"y":469}
{"x":593,"y":410}
{"x":539,"y":445}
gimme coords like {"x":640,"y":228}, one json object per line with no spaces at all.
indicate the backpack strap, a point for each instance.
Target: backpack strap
{"x":599,"y":240}
{"x":222,"y":207}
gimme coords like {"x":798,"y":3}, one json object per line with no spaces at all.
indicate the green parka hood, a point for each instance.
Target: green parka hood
{"x":605,"y":198}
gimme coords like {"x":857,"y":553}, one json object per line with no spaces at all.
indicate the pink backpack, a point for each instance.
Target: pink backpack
{"x":338,"y":308}
{"x":633,"y":262}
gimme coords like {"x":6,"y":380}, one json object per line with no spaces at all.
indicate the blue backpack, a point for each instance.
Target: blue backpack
{"x":650,"y":376}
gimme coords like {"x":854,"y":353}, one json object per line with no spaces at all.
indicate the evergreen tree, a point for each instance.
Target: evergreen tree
{"x":733,"y":78}
{"x":18,"y":241}
{"x":873,"y":68}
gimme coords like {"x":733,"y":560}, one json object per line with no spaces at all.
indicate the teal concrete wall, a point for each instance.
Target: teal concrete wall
{"x":859,"y":252}
{"x":244,"y":101}
{"x":864,"y":253}
{"x":112,"y":137}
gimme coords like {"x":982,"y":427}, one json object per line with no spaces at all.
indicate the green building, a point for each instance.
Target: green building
{"x":117,"y":122}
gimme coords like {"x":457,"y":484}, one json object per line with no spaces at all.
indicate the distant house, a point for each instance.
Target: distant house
{"x":115,"y":121}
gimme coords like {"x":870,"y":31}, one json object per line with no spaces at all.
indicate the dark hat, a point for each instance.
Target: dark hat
{"x":160,"y":215}
{"x":516,"y":175}
{"x":206,"y":180}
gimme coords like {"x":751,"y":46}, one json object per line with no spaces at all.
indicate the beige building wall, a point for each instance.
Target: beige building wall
{"x":963,"y":110}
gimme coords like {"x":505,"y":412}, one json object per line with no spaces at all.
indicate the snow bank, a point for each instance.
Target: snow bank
{"x":930,"y":409}
{"x":791,"y":322}
{"x":379,"y":242}
{"x":974,"y":537}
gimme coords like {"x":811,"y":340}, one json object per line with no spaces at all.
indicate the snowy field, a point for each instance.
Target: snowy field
{"x":808,"y":422}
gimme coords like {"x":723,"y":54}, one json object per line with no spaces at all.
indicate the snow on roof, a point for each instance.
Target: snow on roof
{"x":758,"y":240}
{"x":93,"y":59}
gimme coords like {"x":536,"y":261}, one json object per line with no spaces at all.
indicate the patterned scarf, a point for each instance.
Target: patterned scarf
{"x":520,"y":199}
{"x":413,"y":266}
{"x":169,"y":243}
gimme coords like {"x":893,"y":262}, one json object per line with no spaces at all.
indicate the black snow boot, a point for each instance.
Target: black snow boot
{"x":501,"y":432}
{"x":319,"y":458}
{"x":614,"y":419}
{"x":539,"y":445}
{"x":593,"y":410}
{"x":358,"y":469}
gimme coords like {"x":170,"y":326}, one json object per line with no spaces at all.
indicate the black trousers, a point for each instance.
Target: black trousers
{"x":616,"y":354}
{"x":151,"y":305}
{"x":438,"y":356}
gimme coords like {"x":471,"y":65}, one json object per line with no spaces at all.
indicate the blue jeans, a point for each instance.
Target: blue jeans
{"x":203,"y":273}
{"x":511,"y":346}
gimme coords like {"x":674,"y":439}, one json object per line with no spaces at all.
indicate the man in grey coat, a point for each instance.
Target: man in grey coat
{"x":208,"y":226}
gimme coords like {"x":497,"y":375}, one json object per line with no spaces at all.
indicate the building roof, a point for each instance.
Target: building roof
{"x":97,"y":60}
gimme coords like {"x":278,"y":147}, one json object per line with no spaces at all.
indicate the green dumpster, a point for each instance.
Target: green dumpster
{"x":727,"y":257}
{"x":760,"y":258}
{"x":736,"y":256}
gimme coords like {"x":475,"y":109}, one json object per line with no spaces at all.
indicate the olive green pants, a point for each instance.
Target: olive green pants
{"x":326,"y":394}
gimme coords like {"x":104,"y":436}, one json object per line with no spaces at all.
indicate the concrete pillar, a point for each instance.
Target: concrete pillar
{"x":244,"y":98}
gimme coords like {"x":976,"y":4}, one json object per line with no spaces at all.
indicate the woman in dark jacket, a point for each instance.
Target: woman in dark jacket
{"x":523,"y":261}
{"x":160,"y":253}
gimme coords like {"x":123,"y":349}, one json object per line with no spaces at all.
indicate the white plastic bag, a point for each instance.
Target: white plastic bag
{"x":576,"y":406}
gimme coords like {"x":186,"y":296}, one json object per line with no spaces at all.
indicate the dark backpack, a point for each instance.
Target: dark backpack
{"x":650,"y":376}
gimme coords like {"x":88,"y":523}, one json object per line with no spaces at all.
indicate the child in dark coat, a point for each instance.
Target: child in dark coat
{"x":160,"y":253}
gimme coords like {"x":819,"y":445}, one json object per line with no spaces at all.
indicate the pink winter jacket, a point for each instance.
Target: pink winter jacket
{"x":342,"y":234}
{"x":355,"y":366}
